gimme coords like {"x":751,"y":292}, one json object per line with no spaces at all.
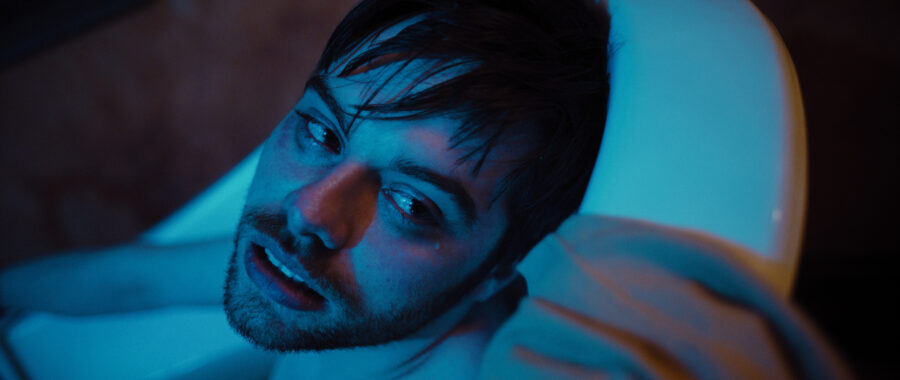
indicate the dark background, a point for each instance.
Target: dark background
{"x":114,"y":113}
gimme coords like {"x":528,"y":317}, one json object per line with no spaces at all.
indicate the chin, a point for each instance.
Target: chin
{"x":254,"y":317}
{"x":273,"y":327}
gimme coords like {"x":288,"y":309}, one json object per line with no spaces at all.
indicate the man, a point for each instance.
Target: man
{"x":390,"y":208}
{"x":391,"y":205}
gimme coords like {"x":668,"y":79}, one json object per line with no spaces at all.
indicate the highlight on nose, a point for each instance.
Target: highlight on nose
{"x":336,"y":208}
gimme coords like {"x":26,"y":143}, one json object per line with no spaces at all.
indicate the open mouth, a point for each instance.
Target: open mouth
{"x":278,"y":282}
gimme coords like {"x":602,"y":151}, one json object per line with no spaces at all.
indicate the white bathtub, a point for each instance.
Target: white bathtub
{"x":705,"y":131}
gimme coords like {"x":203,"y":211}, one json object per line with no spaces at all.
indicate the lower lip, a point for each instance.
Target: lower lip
{"x":276,"y":286}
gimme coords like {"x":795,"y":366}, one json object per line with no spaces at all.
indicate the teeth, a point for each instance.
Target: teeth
{"x":282,"y":267}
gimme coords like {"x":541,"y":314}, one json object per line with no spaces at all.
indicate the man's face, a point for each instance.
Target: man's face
{"x":364,"y":237}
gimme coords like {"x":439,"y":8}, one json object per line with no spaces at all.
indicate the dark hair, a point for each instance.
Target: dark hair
{"x":538,"y":67}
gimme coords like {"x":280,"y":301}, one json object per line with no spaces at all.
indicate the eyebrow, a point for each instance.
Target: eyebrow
{"x":317,"y":84}
{"x":447,"y":184}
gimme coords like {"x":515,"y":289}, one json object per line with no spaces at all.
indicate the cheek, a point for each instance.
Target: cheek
{"x":392,"y":270}
{"x":279,"y":170}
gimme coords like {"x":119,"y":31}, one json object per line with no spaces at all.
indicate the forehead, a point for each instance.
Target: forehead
{"x":369,"y":42}
{"x":430,"y":141}
{"x":391,"y":75}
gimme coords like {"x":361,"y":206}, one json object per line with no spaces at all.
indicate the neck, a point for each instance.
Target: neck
{"x":450,"y":345}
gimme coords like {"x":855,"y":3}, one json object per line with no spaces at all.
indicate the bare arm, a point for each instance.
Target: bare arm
{"x":128,"y":277}
{"x":627,"y":298}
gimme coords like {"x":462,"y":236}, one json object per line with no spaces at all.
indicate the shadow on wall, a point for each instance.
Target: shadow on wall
{"x":108,"y":132}
{"x":848,"y":62}
{"x":27,"y":27}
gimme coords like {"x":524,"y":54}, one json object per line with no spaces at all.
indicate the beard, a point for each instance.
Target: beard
{"x":271,"y":326}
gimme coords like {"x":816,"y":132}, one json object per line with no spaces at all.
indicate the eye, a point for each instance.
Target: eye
{"x":321,"y":134}
{"x":417,"y":210}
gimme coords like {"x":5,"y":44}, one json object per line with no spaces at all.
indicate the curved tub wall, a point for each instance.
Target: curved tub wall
{"x":213,"y":213}
{"x":705,"y":127}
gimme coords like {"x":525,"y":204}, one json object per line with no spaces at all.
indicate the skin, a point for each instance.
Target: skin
{"x":398,"y":259}
{"x":354,"y":236}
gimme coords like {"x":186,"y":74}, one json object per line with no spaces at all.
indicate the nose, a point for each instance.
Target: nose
{"x":337,"y":209}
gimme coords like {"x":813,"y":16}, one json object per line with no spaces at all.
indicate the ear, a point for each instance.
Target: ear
{"x":496,"y":280}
